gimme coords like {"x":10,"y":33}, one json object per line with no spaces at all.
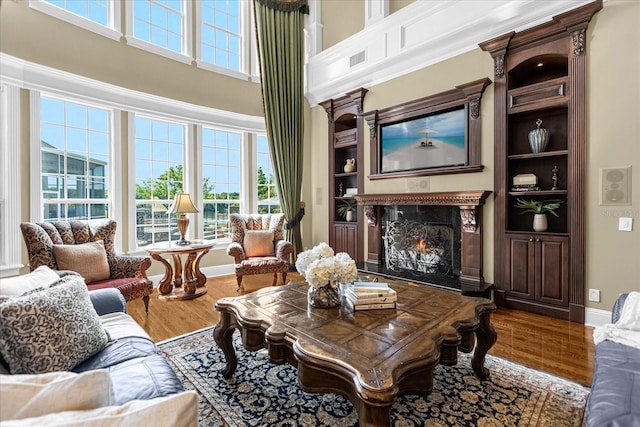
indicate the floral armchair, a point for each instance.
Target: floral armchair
{"x":258,"y":246}
{"x":76,"y":245}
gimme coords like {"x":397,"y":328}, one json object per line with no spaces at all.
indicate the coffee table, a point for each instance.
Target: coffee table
{"x":369,"y":356}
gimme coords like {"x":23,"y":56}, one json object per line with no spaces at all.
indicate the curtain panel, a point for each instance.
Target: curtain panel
{"x":279,"y":30}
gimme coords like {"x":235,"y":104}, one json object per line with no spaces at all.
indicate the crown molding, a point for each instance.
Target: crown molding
{"x":32,"y":76}
{"x":419,"y":35}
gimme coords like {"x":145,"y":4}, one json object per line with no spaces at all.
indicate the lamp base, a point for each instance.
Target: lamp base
{"x":183,"y":242}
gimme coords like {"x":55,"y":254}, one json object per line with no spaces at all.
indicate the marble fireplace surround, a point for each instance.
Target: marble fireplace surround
{"x":470,"y":204}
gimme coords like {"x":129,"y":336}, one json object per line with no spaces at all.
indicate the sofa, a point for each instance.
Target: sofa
{"x":126,"y":381}
{"x":614,"y":400}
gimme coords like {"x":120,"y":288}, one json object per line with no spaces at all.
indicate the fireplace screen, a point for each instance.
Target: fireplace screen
{"x":410,"y":246}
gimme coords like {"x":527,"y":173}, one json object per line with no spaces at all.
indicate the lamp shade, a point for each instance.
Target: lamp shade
{"x":182,"y":204}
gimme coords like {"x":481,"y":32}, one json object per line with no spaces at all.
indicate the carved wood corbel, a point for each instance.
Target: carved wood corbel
{"x":468,"y":217}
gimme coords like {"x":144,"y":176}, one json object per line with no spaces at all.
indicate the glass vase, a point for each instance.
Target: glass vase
{"x":327,"y":296}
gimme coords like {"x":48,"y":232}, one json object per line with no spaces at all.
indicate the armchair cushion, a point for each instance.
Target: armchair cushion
{"x":258,"y":243}
{"x":50,"y":329}
{"x":87,"y":259}
{"x":41,"y":277}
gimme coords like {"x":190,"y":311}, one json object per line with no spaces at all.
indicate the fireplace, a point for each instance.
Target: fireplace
{"x":429,"y":238}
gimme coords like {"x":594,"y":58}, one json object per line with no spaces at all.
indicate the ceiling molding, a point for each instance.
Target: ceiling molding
{"x":419,"y":35}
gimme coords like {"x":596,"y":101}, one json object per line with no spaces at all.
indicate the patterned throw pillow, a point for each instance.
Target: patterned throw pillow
{"x":258,"y":243}
{"x":88,"y":259}
{"x":53,"y":329}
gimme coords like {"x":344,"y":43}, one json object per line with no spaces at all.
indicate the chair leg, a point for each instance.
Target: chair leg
{"x":239,"y":281}
{"x":275,"y":279}
{"x":145,"y":299}
{"x":284,"y":278}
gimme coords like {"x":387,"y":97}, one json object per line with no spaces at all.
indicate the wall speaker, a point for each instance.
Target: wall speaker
{"x":615,"y":186}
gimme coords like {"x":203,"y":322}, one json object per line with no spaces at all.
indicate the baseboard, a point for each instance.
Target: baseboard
{"x":596,"y":317}
{"x":213,"y":271}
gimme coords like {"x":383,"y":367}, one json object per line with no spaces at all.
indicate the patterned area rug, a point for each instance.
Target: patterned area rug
{"x":263,"y":394}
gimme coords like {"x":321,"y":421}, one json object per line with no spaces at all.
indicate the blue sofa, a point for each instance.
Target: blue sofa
{"x":615,"y":390}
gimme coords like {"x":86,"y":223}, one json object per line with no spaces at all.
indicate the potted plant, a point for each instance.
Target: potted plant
{"x":346,"y":209}
{"x":539,"y":208}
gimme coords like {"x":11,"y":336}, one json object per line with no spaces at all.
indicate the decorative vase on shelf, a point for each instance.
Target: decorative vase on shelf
{"x":539,"y":138}
{"x":348,"y":216}
{"x":327,"y":296}
{"x":540,"y":222}
{"x":350,"y":165}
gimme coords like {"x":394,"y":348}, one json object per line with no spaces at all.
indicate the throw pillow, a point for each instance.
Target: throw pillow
{"x":41,"y":277}
{"x":26,"y":396}
{"x":52,"y":329}
{"x":630,"y":316}
{"x":88,"y":259}
{"x":176,"y":410}
{"x":258,"y":243}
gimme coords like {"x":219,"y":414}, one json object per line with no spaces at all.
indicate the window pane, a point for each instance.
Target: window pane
{"x":75,"y":160}
{"x":221,"y":38}
{"x":160,"y":22}
{"x":267,"y":194}
{"x":94,"y":10}
{"x":159,"y":176}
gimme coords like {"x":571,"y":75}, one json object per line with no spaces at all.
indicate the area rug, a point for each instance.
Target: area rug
{"x":263,"y":394}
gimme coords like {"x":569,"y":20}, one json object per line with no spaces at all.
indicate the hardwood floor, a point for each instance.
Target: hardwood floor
{"x":556,"y":346}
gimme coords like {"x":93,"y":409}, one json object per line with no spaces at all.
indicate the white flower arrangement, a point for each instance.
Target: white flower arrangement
{"x":319,"y":266}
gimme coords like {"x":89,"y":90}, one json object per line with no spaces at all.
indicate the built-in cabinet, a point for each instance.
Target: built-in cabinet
{"x":346,"y":160}
{"x":540,"y":81}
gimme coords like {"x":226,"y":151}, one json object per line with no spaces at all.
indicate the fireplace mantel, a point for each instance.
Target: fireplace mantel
{"x":470,"y":204}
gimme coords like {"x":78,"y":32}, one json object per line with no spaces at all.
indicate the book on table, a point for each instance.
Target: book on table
{"x":371,"y":297}
{"x":366,"y":287}
{"x":372,"y":306}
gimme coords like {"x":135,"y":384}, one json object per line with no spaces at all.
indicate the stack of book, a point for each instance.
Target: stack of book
{"x":370,"y":296}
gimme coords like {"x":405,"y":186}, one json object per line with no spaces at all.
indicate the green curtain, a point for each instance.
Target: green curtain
{"x":279,"y":29}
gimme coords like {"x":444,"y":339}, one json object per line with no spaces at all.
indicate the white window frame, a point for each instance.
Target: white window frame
{"x":186,"y":56}
{"x":113,"y":29}
{"x":115,"y":172}
{"x":187,"y":171}
{"x":10,"y":212}
{"x":248,"y":68}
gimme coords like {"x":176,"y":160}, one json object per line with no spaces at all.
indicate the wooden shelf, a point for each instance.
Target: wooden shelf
{"x":539,"y":193}
{"x":544,"y":154}
{"x":345,"y":174}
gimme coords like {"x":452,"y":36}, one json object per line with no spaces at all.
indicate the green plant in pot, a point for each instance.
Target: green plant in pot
{"x":539,"y":208}
{"x":346,"y":209}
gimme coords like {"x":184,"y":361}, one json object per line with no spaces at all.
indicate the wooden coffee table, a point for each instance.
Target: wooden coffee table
{"x":370,"y":356}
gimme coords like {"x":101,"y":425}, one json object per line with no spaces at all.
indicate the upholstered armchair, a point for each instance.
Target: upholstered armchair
{"x":86,"y":247}
{"x":258,"y":246}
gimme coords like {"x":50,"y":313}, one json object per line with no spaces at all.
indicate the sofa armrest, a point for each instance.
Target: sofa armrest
{"x":108,"y":300}
{"x":283,"y":250}
{"x":236,"y":251}
{"x":617,"y":308}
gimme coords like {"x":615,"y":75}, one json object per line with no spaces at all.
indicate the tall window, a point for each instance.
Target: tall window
{"x":94,"y":10}
{"x":159,"y":160}
{"x":268,"y":201}
{"x":221,"y":37}
{"x":75,"y":160}
{"x":160,"y":22}
{"x":221,"y":171}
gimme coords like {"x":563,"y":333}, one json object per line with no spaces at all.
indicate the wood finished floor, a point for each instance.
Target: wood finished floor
{"x":556,"y":346}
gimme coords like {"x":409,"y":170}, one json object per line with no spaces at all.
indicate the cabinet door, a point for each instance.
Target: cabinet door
{"x":520,"y":267}
{"x":345,"y":239}
{"x":552,"y":270}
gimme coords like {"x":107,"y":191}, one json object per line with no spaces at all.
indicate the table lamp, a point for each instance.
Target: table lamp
{"x":182,"y":205}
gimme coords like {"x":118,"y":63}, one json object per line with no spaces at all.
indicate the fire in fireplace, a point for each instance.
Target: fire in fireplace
{"x":422,"y":242}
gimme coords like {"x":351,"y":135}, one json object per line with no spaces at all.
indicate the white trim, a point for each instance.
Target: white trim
{"x":596,"y":317}
{"x":433,"y":32}
{"x":247,"y":157}
{"x":158,"y":50}
{"x":112,"y":30}
{"x":10,"y":212}
{"x":38,"y":77}
{"x":375,"y":10}
{"x":35,"y":156}
{"x":132,"y":246}
{"x":116,"y":171}
{"x":313,"y":30}
{"x":221,"y":70}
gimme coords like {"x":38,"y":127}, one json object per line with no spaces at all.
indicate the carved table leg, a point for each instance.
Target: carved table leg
{"x":374,"y":416}
{"x":190,"y":282}
{"x":166,"y":287}
{"x":223,"y":334}
{"x":486,"y":336}
{"x":177,"y":271}
{"x":201,"y":278}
